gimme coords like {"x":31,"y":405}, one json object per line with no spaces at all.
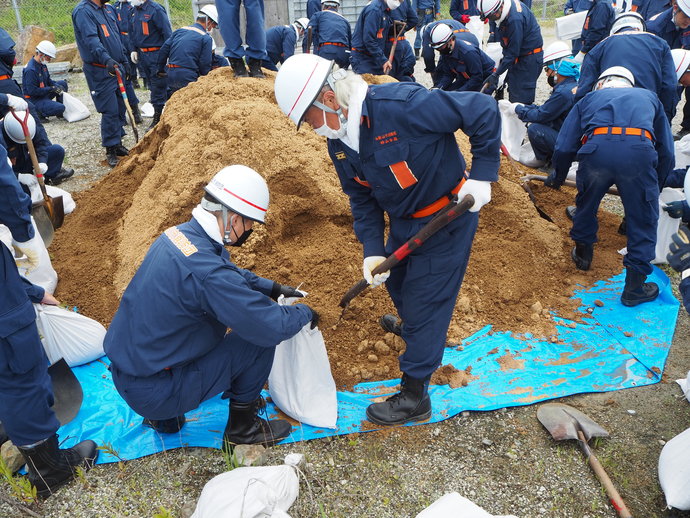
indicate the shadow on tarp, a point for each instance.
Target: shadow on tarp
{"x":617,"y":348}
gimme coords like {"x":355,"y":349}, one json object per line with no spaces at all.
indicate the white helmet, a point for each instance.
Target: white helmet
{"x":615,"y":77}
{"x":684,"y":5}
{"x":242,"y":190}
{"x":440,"y":35}
{"x":489,"y":7}
{"x":47,"y":48}
{"x":302,"y":23}
{"x":334,"y":2}
{"x":13,"y":128}
{"x":631,"y":21}
{"x":557,"y":50}
{"x":210,"y":11}
{"x":681,"y":60}
{"x":299,"y":82}
{"x":621,"y":6}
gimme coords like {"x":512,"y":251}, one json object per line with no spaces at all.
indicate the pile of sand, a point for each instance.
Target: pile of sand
{"x":519,"y":269}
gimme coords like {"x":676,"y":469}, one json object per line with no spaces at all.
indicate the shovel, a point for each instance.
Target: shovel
{"x":569,"y":183}
{"x":67,"y":391}
{"x":565,"y":422}
{"x":398,"y":27}
{"x":123,"y":93}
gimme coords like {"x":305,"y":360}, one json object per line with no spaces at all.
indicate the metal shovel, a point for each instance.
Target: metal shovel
{"x":565,"y":422}
{"x":67,"y":391}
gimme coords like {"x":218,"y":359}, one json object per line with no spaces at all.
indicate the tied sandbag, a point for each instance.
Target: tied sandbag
{"x":513,"y":130}
{"x":452,"y":505}
{"x":527,"y":157}
{"x":75,"y":110}
{"x":569,"y":27}
{"x":666,"y":226}
{"x":69,"y":335}
{"x":44,"y":275}
{"x":301,"y":383}
{"x":674,"y":471}
{"x":251,"y":492}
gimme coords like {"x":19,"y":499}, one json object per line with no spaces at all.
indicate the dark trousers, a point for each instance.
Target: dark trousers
{"x":522,"y":78}
{"x":364,"y":64}
{"x":56,"y":155}
{"x":685,"y":124}
{"x":543,"y":140}
{"x":109,"y":103}
{"x":157,"y":85}
{"x":179,"y":77}
{"x":46,"y":106}
{"x":341,"y":55}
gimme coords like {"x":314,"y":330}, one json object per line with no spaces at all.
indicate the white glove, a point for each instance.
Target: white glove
{"x":370,"y":263}
{"x":514,"y":107}
{"x":27,"y":179}
{"x":16,"y":103}
{"x":43,"y":167}
{"x":579,"y":58}
{"x":480,"y":191}
{"x":31,"y":250}
{"x":134,"y":57}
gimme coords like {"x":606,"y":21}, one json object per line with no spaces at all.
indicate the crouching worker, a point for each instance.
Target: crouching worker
{"x":192,"y":324}
{"x":37,"y":84}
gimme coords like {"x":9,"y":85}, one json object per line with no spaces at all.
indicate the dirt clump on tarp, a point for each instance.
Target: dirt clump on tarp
{"x":518,"y":258}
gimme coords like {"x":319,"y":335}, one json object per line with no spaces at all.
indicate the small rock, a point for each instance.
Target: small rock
{"x":536,"y":307}
{"x":436,"y":432}
{"x":487,"y":442}
{"x":661,"y":442}
{"x":465,"y":414}
{"x":373,"y":358}
{"x":250,"y":454}
{"x":598,"y":303}
{"x":627,"y":333}
{"x":381,"y":348}
{"x":11,"y":456}
{"x":632,"y":412}
{"x":188,"y":509}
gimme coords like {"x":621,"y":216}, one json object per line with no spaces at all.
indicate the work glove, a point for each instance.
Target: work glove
{"x":43,"y":167}
{"x":679,"y":251}
{"x":580,"y":57}
{"x":16,"y":103}
{"x":491,"y":82}
{"x":31,"y":250}
{"x":56,"y":90}
{"x":314,"y":318}
{"x":465,"y":19}
{"x":370,"y":263}
{"x":111,"y":65}
{"x":552,"y":181}
{"x":281,"y":289}
{"x":162,"y":73}
{"x":134,"y":57}
{"x":678,"y":209}
{"x":480,"y":191}
{"x":516,"y":107}
{"x":569,"y":11}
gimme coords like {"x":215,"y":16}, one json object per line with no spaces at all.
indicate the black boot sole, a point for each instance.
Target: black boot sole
{"x":411,"y":419}
{"x":636,"y":302}
{"x":389,"y":327}
{"x":580,"y":264}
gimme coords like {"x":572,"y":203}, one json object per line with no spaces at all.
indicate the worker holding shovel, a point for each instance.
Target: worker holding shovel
{"x":395,"y":152}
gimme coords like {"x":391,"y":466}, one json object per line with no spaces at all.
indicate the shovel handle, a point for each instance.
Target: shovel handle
{"x":569,"y":183}
{"x":123,"y":92}
{"x":32,"y":150}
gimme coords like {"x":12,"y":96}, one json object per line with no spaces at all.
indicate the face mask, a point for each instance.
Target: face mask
{"x":136,"y":3}
{"x":330,"y":133}
{"x":393,"y":4}
{"x":551,"y":80}
{"x":240,"y":239}
{"x":445,"y":50}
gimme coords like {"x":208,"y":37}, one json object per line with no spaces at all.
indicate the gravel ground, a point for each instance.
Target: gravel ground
{"x":502,"y":460}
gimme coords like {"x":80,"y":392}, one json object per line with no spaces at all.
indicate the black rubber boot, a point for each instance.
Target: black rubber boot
{"x":239,"y":68}
{"x":111,"y":155}
{"x":137,"y":114}
{"x":390,"y":324}
{"x":157,"y":111}
{"x":255,"y":68}
{"x":50,"y":467}
{"x":623,"y":227}
{"x":62,"y":175}
{"x":416,"y":53}
{"x":246,"y":427}
{"x":636,"y":291}
{"x":582,"y":255}
{"x":412,"y":403}
{"x":121,"y":150}
{"x":172,"y":425}
{"x":570,"y":211}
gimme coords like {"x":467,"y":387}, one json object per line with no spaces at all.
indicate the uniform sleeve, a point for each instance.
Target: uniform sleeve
{"x":252,"y":315}
{"x":31,"y":82}
{"x":372,"y":43}
{"x":474,"y":70}
{"x":289,"y":42}
{"x":163,"y":23}
{"x":89,"y":37}
{"x":163,"y":54}
{"x":553,"y":108}
{"x":568,"y":5}
{"x":437,"y":7}
{"x":664,"y":145}
{"x":567,"y":143}
{"x":598,"y":28}
{"x":511,"y":48}
{"x":15,"y":204}
{"x":34,"y":292}
{"x":588,"y":74}
{"x":475,"y":114}
{"x":455,"y":9}
{"x":407,"y":62}
{"x":206,"y":58}
{"x":668,"y":91}
{"x":676,"y":178}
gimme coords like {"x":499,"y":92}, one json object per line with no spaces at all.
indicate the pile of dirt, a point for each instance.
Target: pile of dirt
{"x":520,"y":267}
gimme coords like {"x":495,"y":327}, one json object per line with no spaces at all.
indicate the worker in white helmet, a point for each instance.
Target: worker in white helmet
{"x":394,"y":149}
{"x":37,"y":85}
{"x":619,"y":135}
{"x":192,"y":324}
{"x":281,"y":41}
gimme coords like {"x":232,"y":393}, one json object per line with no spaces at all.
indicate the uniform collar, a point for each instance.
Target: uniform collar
{"x":199,"y":229}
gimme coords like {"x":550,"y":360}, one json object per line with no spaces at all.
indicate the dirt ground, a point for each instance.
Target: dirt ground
{"x":502,"y":460}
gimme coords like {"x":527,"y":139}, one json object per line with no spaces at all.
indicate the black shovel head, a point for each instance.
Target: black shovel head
{"x":563,"y":422}
{"x":66,"y":391}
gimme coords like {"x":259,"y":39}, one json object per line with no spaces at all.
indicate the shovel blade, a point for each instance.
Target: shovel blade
{"x":67,"y":391}
{"x":57,"y":210}
{"x":563,"y":422}
{"x":43,"y":224}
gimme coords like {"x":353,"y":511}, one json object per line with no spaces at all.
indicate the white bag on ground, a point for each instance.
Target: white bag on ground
{"x":569,"y":27}
{"x":674,"y":471}
{"x":69,"y":335}
{"x":68,"y":203}
{"x":75,"y":110}
{"x":685,"y":386}
{"x":682,"y":148}
{"x":252,"y":492}
{"x":527,"y":156}
{"x":301,"y":383}
{"x":513,"y":130}
{"x":666,"y":226}
{"x":452,"y":505}
{"x":147,"y":110}
{"x":572,"y":172}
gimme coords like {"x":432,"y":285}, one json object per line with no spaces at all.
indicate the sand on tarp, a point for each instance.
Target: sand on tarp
{"x":519,"y":260}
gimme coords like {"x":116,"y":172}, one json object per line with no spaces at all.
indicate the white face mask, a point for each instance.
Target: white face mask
{"x":136,"y":3}
{"x":325,"y":131}
{"x":393,"y":4}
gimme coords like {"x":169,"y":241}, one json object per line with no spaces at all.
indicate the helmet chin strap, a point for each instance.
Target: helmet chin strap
{"x":226,"y":232}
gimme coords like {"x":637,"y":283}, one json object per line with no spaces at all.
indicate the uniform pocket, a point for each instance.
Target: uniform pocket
{"x":588,"y":149}
{"x":25,"y":350}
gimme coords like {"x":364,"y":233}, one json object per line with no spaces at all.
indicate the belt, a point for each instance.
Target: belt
{"x":170,"y":65}
{"x":2,"y":78}
{"x":333,"y":43}
{"x":98,"y":65}
{"x":150,"y":49}
{"x":361,"y":51}
{"x":433,"y":208}
{"x":617,"y":130}
{"x":533,"y":51}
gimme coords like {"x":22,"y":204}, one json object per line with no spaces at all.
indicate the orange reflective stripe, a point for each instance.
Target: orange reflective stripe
{"x":465,"y":75}
{"x":634,"y":8}
{"x":617,"y":130}
{"x":332,"y":43}
{"x":586,"y":25}
{"x":2,"y":78}
{"x":150,"y":49}
{"x":433,"y":208}
{"x":145,"y":28}
{"x":195,"y":29}
{"x":41,"y":84}
{"x":403,"y":175}
{"x":362,"y":182}
{"x":465,"y":5}
{"x":104,"y":28}
{"x":380,"y":33}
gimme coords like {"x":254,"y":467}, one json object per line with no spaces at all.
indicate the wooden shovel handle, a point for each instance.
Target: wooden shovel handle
{"x":32,"y":150}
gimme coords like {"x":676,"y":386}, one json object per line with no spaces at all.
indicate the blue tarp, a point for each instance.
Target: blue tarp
{"x":617,"y":348}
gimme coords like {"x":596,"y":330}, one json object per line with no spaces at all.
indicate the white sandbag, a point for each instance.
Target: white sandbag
{"x":147,"y":110}
{"x":495,"y":52}
{"x":252,"y":492}
{"x":301,"y":383}
{"x":69,"y":335}
{"x":68,"y":202}
{"x":666,"y":226}
{"x":452,"y":505}
{"x":513,"y":130}
{"x":685,"y":386}
{"x":569,"y":27}
{"x":572,"y":172}
{"x":527,"y":156}
{"x":75,"y":110}
{"x":682,"y":148}
{"x":476,"y":26}
{"x":674,"y":471}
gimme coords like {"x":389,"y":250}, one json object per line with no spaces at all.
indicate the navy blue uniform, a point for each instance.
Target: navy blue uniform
{"x":229,"y":26}
{"x":408,"y":159}
{"x":464,"y":69}
{"x":546,"y":120}
{"x":121,"y":24}
{"x":427,"y":10}
{"x":189,"y":54}
{"x":25,"y":387}
{"x":123,"y":12}
{"x":313,"y":7}
{"x":405,"y":13}
{"x":628,"y":143}
{"x":429,"y":55}
{"x":577,"y":6}
{"x":520,"y":37}
{"x":192,"y":324}
{"x":458,"y":8}
{"x":98,"y":41}
{"x":648,"y":8}
{"x":149,"y":30}
{"x":369,"y":38}
{"x":647,"y":56}
{"x":597,"y":25}
{"x":662,"y":25}
{"x":403,"y":61}
{"x":280,"y":45}
{"x":38,"y":86}
{"x":50,"y":154}
{"x":331,"y":37}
